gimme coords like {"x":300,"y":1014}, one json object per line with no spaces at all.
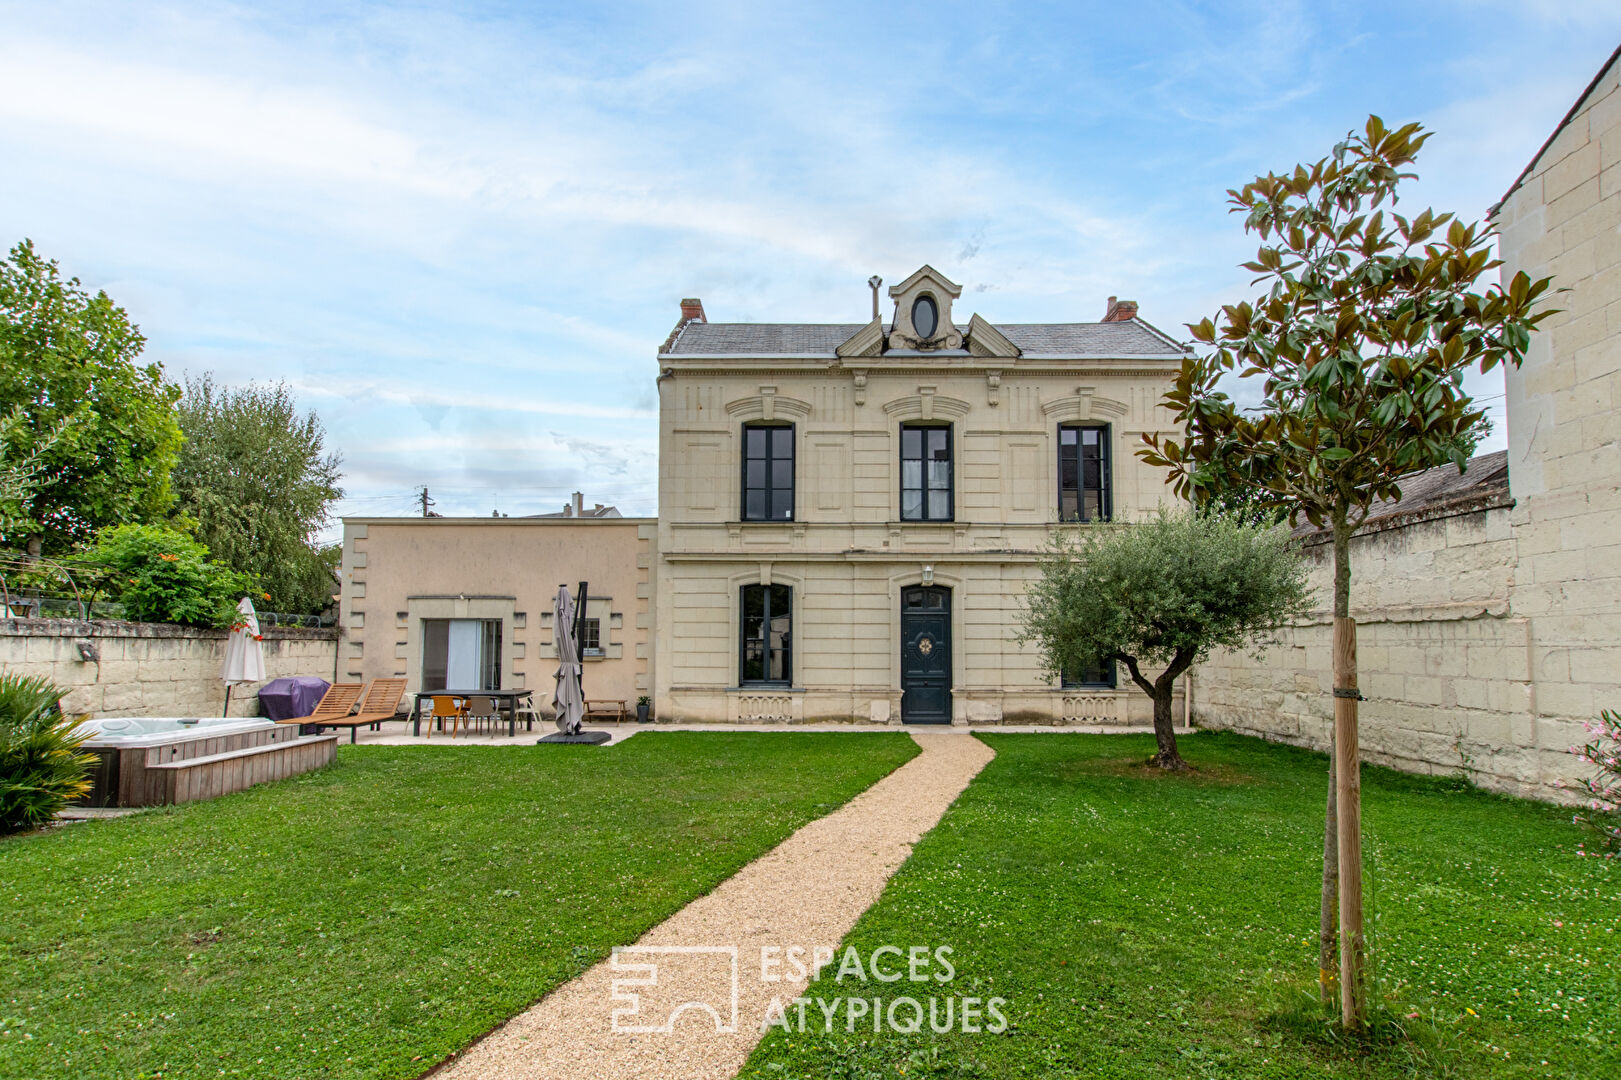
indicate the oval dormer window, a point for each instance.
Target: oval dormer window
{"x":924,"y":317}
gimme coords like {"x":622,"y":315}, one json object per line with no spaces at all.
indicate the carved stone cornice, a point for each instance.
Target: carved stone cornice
{"x":768,"y":405}
{"x":1085,"y":404}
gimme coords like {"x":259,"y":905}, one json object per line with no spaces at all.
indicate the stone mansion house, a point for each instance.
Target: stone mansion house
{"x":849,"y":514}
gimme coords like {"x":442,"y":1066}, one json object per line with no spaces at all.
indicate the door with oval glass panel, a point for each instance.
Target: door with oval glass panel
{"x":926,"y":654}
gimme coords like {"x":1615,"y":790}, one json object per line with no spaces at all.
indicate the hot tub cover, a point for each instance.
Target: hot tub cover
{"x":289,"y":698}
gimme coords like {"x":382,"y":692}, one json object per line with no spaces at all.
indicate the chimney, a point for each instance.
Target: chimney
{"x":692,"y":310}
{"x":579,"y":503}
{"x":1120,"y":310}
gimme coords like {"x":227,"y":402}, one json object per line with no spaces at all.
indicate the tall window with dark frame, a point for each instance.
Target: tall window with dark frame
{"x":1088,"y":675}
{"x":926,"y":488}
{"x":768,"y":638}
{"x":1083,"y":473}
{"x":768,"y":472}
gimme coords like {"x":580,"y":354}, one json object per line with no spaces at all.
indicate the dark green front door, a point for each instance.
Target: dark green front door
{"x":926,"y":655}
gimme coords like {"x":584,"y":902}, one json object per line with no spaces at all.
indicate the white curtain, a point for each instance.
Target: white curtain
{"x":464,"y":659}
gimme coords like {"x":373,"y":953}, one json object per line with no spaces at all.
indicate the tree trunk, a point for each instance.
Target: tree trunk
{"x":1160,"y":690}
{"x":1328,"y":919}
{"x":1166,"y":755}
{"x":1348,"y":786}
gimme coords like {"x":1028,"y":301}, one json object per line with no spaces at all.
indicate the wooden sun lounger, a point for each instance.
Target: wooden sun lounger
{"x":381,"y":702}
{"x":338,"y":702}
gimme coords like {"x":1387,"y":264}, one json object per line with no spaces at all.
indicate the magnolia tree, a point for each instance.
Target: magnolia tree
{"x":1366,"y":322}
{"x":1161,"y":594}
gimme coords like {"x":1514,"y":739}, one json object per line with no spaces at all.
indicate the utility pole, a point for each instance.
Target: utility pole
{"x":422,"y":496}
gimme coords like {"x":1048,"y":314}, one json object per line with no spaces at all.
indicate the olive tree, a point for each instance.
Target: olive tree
{"x":1365,"y":325}
{"x":1161,"y":594}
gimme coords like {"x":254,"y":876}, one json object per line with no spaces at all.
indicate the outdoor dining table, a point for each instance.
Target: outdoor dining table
{"x":506,"y":699}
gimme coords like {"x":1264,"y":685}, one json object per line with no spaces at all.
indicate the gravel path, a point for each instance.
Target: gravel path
{"x":806,"y":893}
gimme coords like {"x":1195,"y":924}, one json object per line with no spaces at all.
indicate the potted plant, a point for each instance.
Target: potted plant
{"x":643,"y":704}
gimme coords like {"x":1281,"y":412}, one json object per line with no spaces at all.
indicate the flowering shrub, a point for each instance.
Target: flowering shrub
{"x":1602,"y":813}
{"x":162,"y":575}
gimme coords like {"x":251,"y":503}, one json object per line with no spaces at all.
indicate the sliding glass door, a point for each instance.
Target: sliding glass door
{"x":461,"y":654}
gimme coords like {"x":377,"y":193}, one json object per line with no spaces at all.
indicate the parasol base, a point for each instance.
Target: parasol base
{"x":593,"y":738}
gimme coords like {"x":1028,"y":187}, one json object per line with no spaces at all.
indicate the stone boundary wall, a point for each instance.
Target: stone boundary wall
{"x":1444,"y":662}
{"x":154,"y":669}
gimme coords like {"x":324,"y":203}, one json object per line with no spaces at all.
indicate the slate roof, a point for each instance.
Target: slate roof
{"x":1111,"y":339}
{"x":1438,"y":488}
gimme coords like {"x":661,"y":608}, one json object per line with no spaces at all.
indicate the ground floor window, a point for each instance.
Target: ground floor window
{"x":1096,"y":676}
{"x":461,"y":654}
{"x":767,"y":625}
{"x":591,"y":637}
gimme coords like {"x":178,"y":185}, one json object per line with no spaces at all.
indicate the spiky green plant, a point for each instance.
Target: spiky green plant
{"x":41,"y":765}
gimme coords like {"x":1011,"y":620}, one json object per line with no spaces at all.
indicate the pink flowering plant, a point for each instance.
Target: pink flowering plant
{"x":1602,"y":789}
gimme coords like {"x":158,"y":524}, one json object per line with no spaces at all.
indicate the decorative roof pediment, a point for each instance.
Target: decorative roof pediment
{"x":926,"y":404}
{"x":868,"y":341}
{"x":926,"y":295}
{"x":1085,"y":404}
{"x":986,"y":340}
{"x":768,"y":405}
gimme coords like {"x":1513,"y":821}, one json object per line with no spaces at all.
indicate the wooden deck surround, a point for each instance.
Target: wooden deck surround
{"x":206,"y":768}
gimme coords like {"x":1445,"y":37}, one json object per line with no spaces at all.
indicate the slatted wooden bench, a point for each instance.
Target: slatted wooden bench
{"x":212,"y":775}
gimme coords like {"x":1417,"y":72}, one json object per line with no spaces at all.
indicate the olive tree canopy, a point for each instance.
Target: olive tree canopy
{"x":1161,"y":594}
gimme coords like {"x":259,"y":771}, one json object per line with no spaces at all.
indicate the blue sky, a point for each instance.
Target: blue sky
{"x":460,"y":231}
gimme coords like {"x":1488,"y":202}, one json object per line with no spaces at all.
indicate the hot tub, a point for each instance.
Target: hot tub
{"x":134,"y":754}
{"x":131,"y":731}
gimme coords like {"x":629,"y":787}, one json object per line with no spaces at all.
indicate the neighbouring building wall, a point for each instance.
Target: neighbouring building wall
{"x":151,"y":669}
{"x":1563,"y":220}
{"x":398,"y":572}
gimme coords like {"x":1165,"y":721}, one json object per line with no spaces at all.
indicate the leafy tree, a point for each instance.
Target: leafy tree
{"x":255,"y":477}
{"x":160,"y":574}
{"x":21,"y":476}
{"x":66,"y":354}
{"x":1362,"y":333}
{"x":41,"y":765}
{"x":1163,"y":592}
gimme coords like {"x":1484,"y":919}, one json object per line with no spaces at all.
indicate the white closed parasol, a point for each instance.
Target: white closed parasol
{"x":244,"y":652}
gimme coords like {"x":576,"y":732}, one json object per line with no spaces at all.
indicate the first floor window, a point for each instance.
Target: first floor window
{"x":767,"y":654}
{"x":1084,"y":675}
{"x":461,"y":654}
{"x":768,"y":472}
{"x":926,"y":492}
{"x":1083,"y":473}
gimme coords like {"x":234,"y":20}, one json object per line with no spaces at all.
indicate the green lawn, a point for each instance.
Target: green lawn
{"x":368,"y":919}
{"x":1147,"y":925}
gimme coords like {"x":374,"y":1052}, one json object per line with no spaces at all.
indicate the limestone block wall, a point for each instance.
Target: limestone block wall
{"x":1563,"y":220}
{"x":148,"y":669}
{"x":1445,"y":660}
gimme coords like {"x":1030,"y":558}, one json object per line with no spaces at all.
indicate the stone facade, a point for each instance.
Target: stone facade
{"x":148,"y":669}
{"x":845,"y":547}
{"x":1488,"y":637}
{"x":398,"y":572}
{"x":1563,"y":220}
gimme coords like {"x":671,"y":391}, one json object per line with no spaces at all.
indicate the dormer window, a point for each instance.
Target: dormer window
{"x":925,"y":317}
